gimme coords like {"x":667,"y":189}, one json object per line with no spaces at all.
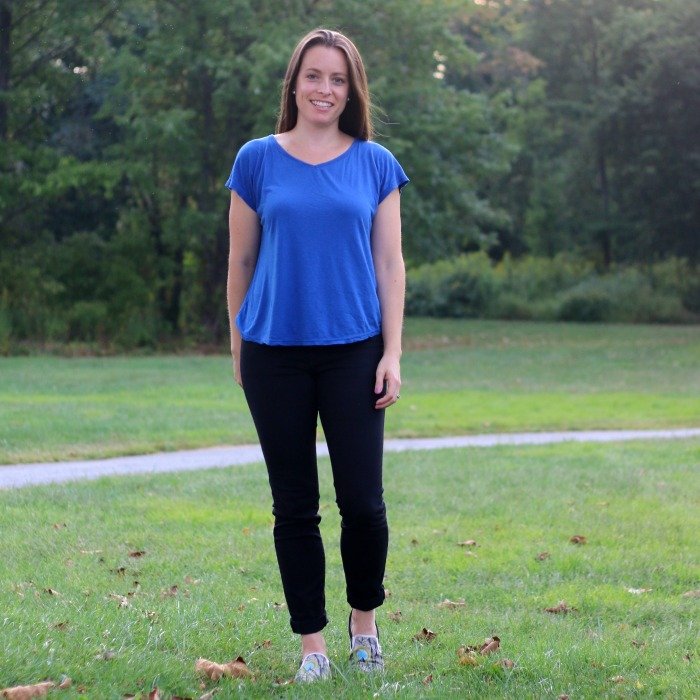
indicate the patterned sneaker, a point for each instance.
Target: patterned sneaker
{"x":366,"y":654}
{"x":314,"y":667}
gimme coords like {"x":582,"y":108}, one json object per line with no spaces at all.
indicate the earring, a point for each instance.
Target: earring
{"x":294,"y":92}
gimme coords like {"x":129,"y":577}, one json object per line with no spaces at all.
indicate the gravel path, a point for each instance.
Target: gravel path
{"x":16,"y":476}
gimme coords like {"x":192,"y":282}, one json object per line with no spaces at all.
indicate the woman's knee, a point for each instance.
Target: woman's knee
{"x":357,"y":513}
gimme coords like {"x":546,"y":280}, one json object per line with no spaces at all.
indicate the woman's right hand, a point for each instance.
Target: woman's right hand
{"x":237,"y":369}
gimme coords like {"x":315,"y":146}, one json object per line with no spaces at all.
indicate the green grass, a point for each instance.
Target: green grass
{"x":460,"y":377}
{"x":209,"y":533}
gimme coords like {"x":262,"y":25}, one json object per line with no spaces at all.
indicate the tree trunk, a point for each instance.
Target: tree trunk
{"x":605,"y":234}
{"x":5,"y":63}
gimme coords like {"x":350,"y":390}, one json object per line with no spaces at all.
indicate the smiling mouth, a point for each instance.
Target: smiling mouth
{"x":319,"y":103}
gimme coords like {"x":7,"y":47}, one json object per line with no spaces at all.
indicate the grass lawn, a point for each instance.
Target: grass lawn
{"x":74,"y":601}
{"x":460,"y":377}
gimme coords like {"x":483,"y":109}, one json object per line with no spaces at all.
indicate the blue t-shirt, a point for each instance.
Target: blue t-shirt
{"x":314,"y":282}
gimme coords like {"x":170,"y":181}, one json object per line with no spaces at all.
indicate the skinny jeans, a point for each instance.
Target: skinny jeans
{"x":287,"y":389}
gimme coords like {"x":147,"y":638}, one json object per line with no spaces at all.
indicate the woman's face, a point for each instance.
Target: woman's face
{"x":322,"y":86}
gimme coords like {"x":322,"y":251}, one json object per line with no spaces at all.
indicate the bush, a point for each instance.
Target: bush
{"x":545,"y":289}
{"x":585,"y":307}
{"x":87,"y":321}
{"x":691,"y":297}
{"x":458,"y":288}
{"x":5,"y":331}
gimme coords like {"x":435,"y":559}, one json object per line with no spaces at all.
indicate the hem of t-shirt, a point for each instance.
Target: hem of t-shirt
{"x":399,"y":186}
{"x":235,"y":187}
{"x":307,"y":343}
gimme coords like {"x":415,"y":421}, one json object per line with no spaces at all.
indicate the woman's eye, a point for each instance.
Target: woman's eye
{"x":339,"y":81}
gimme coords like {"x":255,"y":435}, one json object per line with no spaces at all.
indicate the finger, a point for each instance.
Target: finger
{"x":391,"y":395}
{"x":379,"y":382}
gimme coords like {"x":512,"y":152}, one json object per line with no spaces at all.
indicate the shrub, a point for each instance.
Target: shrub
{"x":584,"y":307}
{"x":87,"y":321}
{"x":458,"y":288}
{"x":691,"y":296}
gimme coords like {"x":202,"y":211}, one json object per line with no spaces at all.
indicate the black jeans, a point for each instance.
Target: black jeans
{"x":287,"y":389}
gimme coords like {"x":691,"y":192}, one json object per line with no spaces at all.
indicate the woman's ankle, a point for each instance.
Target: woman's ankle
{"x":363,"y":622}
{"x":313,"y":644}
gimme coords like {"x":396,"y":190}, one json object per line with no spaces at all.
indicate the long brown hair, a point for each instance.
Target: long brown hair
{"x":356,"y":119}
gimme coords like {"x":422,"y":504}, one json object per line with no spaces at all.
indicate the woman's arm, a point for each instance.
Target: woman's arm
{"x":391,"y":285}
{"x":244,"y":233}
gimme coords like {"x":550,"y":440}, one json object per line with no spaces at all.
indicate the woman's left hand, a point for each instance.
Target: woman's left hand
{"x":387,"y":382}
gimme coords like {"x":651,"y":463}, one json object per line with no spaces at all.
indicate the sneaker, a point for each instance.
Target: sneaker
{"x":365,"y":651}
{"x":314,"y":667}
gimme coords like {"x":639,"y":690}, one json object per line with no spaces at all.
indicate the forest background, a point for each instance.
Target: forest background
{"x":552,"y":147}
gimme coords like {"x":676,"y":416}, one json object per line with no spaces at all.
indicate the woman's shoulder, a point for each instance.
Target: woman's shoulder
{"x":376,"y":150}
{"x":255,"y":146}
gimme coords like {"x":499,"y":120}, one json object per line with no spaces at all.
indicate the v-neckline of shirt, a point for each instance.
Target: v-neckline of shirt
{"x":313,"y":165}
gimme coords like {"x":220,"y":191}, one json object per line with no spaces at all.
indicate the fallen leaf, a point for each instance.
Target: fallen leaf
{"x":246,"y":531}
{"x":395,"y":616}
{"x":209,"y":695}
{"x":691,"y":594}
{"x":578,"y":539}
{"x":61,"y":626}
{"x":279,"y":606}
{"x":192,"y":581}
{"x":638,"y":645}
{"x":452,"y":604}
{"x":425,"y":635}
{"x":169,"y":592}
{"x":119,"y":571}
{"x":414,"y":541}
{"x":106,"y":655}
{"x":52,"y":591}
{"x":428,"y":679}
{"x":468,"y":543}
{"x":467,"y":656}
{"x":59,"y":526}
{"x":154,"y":694}
{"x":563,"y":697}
{"x":687,"y":657}
{"x":561,"y":607}
{"x":267,"y":644}
{"x":137,"y":553}
{"x":387,"y":593}
{"x":618,"y":679}
{"x":233,"y":669}
{"x":122,"y":599}
{"x":638,"y":591}
{"x":65,"y":683}
{"x":490,"y":645}
{"x":542,"y":556}
{"x":24,"y":692}
{"x":507,"y":663}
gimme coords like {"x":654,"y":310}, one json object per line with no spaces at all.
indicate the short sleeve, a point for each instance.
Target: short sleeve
{"x":243,"y":177}
{"x":392,"y":175}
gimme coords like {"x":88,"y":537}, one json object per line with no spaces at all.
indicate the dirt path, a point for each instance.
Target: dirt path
{"x":16,"y":476}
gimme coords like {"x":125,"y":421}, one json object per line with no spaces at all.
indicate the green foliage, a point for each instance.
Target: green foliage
{"x":544,"y":288}
{"x":543,"y":127}
{"x":459,"y":288}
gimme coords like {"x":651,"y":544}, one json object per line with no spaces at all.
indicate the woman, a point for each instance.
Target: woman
{"x":316,"y":288}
